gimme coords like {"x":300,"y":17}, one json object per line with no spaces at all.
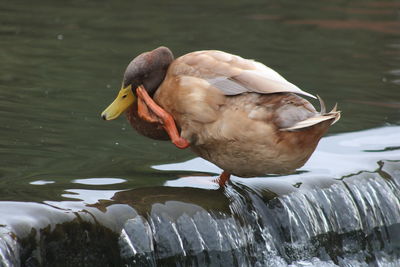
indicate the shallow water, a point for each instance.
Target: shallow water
{"x":64,"y":171}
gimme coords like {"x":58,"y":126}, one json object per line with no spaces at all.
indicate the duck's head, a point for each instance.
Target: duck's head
{"x":147,"y":69}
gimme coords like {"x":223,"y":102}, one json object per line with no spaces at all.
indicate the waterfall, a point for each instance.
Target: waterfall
{"x":353,"y":222}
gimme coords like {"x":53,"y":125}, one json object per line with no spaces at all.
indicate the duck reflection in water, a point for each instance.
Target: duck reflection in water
{"x":236,"y":113}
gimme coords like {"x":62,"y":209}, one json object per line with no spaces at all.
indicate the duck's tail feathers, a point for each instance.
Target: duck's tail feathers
{"x":333,"y":115}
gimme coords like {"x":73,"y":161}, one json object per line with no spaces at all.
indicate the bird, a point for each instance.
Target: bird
{"x":234,"y":112}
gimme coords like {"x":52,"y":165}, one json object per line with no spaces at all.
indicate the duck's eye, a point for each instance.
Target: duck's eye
{"x":124,"y":96}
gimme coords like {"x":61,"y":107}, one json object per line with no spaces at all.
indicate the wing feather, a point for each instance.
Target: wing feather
{"x":233,"y":74}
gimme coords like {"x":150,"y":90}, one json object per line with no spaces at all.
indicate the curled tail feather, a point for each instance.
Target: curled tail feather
{"x":318,"y":118}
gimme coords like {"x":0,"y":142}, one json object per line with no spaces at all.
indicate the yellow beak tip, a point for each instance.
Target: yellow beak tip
{"x":106,"y":117}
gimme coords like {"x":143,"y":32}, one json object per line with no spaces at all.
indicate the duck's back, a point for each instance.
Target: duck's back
{"x":232,"y":74}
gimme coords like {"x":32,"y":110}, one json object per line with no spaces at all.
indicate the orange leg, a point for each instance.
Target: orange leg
{"x":145,"y":113}
{"x":150,"y":111}
{"x":223,"y":178}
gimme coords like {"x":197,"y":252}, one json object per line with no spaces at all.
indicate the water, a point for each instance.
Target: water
{"x":76,"y":189}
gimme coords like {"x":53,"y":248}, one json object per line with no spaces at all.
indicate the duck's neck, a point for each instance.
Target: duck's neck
{"x":148,"y":129}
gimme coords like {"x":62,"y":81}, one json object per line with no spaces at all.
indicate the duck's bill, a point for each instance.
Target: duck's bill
{"x":121,"y":103}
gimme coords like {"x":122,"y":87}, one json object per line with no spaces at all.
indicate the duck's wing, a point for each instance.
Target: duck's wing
{"x":233,"y":74}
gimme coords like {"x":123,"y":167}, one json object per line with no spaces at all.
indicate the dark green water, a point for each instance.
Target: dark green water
{"x":61,"y":64}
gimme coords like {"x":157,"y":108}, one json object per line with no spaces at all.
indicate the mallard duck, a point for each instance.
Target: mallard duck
{"x":236,"y":113}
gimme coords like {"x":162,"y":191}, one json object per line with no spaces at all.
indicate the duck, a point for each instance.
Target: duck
{"x":234,"y":112}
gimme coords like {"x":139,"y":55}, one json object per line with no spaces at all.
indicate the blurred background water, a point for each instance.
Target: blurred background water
{"x":62,"y":64}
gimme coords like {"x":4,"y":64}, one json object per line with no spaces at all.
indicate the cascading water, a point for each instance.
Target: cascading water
{"x":9,"y":249}
{"x":353,"y":222}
